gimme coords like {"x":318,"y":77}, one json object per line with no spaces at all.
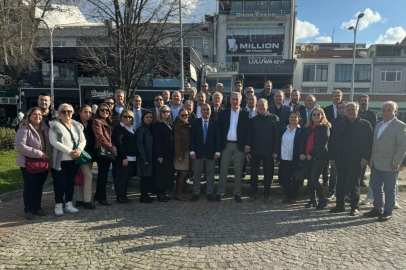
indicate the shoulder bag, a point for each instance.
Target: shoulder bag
{"x":37,"y":165}
{"x":84,"y":156}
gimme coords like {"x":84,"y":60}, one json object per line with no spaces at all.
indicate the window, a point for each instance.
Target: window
{"x":64,"y":74}
{"x":250,"y":6}
{"x":262,"y":6}
{"x":310,"y":90}
{"x":391,"y":75}
{"x":236,"y":7}
{"x":315,"y":73}
{"x":344,"y":73}
{"x":356,"y":90}
{"x":274,"y":6}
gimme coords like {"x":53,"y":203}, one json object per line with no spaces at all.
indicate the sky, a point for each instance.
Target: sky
{"x":384,"y":21}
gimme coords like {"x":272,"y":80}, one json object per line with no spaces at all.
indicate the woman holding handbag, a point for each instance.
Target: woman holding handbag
{"x":67,"y":138}
{"x":106,"y":151}
{"x":32,"y":145}
{"x":145,"y":157}
{"x":181,"y":134}
{"x":164,"y":153}
{"x":84,"y":192}
{"x":313,"y":151}
{"x":292,"y":136}
{"x":126,"y":143}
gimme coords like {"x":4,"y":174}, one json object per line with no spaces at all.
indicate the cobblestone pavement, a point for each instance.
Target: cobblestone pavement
{"x":201,"y":235}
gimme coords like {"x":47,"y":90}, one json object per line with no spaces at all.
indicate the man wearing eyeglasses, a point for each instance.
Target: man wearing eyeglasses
{"x":205,"y":148}
{"x":204,"y":87}
{"x":351,"y":151}
{"x":136,"y":101}
{"x":158,"y":103}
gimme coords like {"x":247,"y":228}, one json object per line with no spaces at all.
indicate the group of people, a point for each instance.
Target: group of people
{"x":187,"y":132}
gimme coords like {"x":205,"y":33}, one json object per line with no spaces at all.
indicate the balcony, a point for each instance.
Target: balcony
{"x":222,"y":68}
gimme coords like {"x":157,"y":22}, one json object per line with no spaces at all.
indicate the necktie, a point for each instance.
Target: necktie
{"x":204,"y":131}
{"x":136,"y":120}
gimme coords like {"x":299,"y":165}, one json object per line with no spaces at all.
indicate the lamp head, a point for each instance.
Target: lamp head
{"x":360,"y":15}
{"x":351,"y":28}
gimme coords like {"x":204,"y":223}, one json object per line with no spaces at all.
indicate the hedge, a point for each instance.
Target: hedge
{"x":7,"y":139}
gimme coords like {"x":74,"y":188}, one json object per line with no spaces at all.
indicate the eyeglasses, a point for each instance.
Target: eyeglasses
{"x":159,"y":100}
{"x":66,"y":112}
{"x":104,"y":110}
{"x":110,"y":103}
{"x":183,"y":115}
{"x":316,"y":114}
{"x":127,"y":117}
{"x":165,"y":111}
{"x":250,"y":92}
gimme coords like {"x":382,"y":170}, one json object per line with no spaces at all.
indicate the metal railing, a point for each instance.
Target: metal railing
{"x":222,"y":67}
{"x":391,"y":54}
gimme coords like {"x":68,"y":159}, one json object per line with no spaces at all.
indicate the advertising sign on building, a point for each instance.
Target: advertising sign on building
{"x":243,"y":46}
{"x":267,"y":66}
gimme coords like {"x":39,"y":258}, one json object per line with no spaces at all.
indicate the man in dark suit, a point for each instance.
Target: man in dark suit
{"x":295,"y":98}
{"x":226,"y":97}
{"x":158,"y":103}
{"x":235,"y":139}
{"x":216,"y":106}
{"x":137,"y":110}
{"x":267,"y":93}
{"x":331,"y":111}
{"x":239,"y":88}
{"x":119,"y":105}
{"x":310,"y":104}
{"x":280,"y":110}
{"x":205,"y":148}
{"x":372,"y":117}
{"x":166,"y":95}
{"x":204,"y":87}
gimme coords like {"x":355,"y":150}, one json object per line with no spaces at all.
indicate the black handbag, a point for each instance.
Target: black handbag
{"x":104,"y":153}
{"x":300,"y":173}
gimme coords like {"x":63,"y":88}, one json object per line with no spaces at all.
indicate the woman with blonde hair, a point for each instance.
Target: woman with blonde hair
{"x":314,"y":153}
{"x":68,"y":140}
{"x":164,"y":152}
{"x":32,"y":142}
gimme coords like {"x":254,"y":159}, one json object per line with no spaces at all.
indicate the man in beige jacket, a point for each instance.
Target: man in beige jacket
{"x":388,"y":151}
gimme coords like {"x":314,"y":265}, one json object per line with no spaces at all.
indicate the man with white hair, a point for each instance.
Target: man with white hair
{"x":351,"y":150}
{"x":216,"y":105}
{"x":388,"y":151}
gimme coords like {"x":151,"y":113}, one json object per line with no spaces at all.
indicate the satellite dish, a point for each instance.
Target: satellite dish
{"x":309,"y":48}
{"x":315,"y":48}
{"x":303,"y":47}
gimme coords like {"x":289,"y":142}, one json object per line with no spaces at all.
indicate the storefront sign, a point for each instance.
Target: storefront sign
{"x":98,"y":94}
{"x":266,"y":66}
{"x":240,"y":46}
{"x":255,"y":15}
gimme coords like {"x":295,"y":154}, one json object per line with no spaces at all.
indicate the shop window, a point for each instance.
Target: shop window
{"x":236,"y":7}
{"x":391,"y":75}
{"x":344,"y":73}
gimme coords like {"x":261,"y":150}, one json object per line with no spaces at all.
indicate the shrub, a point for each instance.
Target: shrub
{"x":7,"y":139}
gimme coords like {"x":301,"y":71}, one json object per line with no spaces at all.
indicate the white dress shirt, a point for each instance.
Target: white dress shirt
{"x":288,"y":141}
{"x":130,"y":129}
{"x":232,"y":131}
{"x":335,"y":110}
{"x":199,"y":111}
{"x":383,"y":127}
{"x":208,"y":121}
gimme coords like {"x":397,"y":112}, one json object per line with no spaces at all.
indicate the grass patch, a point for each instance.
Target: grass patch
{"x":10,"y":174}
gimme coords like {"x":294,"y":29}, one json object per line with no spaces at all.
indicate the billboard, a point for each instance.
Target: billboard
{"x":246,"y":46}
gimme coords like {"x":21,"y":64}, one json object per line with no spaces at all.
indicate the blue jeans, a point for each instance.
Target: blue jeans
{"x":370,"y":194}
{"x":384,"y":181}
{"x":32,"y":195}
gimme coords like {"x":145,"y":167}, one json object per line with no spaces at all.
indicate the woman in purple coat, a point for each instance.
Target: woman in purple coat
{"x":32,"y":141}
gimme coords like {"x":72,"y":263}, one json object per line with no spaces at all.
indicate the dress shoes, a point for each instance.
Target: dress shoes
{"x":218,"y":198}
{"x":79,"y":203}
{"x":237,"y":198}
{"x":104,"y":203}
{"x":373,"y":213}
{"x":89,"y":206}
{"x":194,"y":198}
{"x":146,"y":200}
{"x":29,"y":216}
{"x":123,"y":200}
{"x":385,"y":216}
{"x":39,"y":212}
{"x":312,"y":203}
{"x":354,"y":212}
{"x":322,"y":204}
{"x":210,"y":198}
{"x":252,"y":198}
{"x":337,"y":209}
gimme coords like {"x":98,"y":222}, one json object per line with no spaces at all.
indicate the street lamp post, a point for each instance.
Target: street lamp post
{"x":182,"y":83}
{"x":51,"y":32}
{"x":353,"y":55}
